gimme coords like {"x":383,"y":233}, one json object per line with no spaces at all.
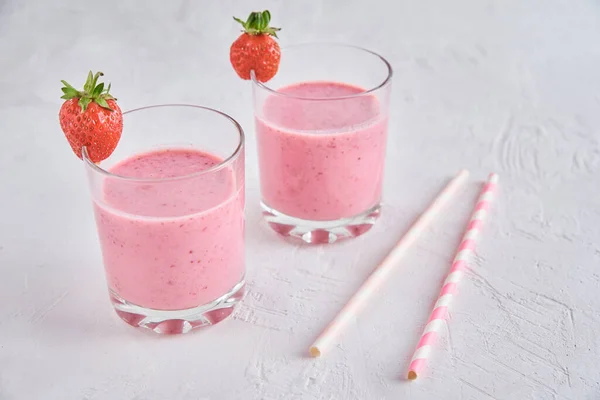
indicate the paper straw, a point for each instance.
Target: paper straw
{"x":463,"y":253}
{"x":381,"y":272}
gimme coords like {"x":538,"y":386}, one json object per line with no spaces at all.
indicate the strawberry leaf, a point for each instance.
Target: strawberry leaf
{"x":251,"y":21}
{"x":272,"y":32}
{"x":88,"y":87}
{"x":98,"y":74}
{"x":84,"y":102}
{"x":258,"y":24}
{"x":102,"y":103}
{"x":240,"y":21}
{"x":92,"y":92}
{"x":98,"y":90}
{"x":70,"y":93}
{"x":67,"y":85}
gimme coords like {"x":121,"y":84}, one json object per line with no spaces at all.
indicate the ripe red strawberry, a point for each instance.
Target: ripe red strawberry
{"x":256,"y":49}
{"x":91,"y":118}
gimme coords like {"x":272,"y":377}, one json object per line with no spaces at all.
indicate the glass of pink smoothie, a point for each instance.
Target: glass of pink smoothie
{"x":321,"y":129}
{"x":169,"y":206}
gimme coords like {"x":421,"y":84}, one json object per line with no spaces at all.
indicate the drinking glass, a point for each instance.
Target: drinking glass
{"x":321,"y":129}
{"x":169,"y":207}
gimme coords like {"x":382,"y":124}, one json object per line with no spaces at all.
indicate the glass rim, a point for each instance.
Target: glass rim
{"x":226,"y":162}
{"x":385,"y":82}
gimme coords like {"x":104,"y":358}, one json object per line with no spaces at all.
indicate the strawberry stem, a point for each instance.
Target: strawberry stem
{"x":258,"y":24}
{"x":92,"y":92}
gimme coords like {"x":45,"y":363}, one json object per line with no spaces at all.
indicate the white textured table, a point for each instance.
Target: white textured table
{"x":511,"y":86}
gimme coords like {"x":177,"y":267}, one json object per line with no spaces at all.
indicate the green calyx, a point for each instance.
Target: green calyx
{"x":92,"y":92}
{"x":258,"y":24}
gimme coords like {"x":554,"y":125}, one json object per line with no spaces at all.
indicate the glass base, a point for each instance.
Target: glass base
{"x":319,"y":232}
{"x":179,"y":321}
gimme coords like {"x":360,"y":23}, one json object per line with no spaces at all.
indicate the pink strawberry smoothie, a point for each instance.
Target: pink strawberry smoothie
{"x":174,"y":244}
{"x":321,"y":159}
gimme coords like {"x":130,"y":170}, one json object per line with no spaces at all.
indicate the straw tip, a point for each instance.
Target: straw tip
{"x":314,"y":352}
{"x":493,"y":177}
{"x":412,"y":375}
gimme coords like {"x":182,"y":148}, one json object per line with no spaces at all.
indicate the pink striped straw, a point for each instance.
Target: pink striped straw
{"x":465,"y":249}
{"x":382,"y":271}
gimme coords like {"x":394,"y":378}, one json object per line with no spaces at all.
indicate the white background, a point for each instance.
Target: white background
{"x":511,"y":86}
